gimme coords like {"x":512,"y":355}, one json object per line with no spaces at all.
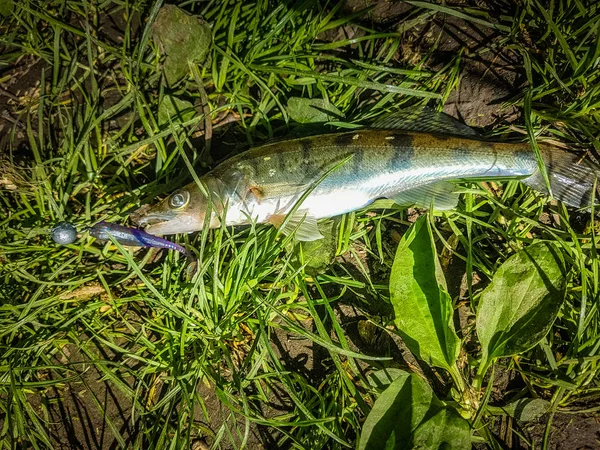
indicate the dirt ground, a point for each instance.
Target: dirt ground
{"x":486,"y":80}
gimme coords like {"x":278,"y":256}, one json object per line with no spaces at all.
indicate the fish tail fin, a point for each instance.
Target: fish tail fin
{"x":572,"y":178}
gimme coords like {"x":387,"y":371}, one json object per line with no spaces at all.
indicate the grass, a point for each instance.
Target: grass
{"x":190,"y":359}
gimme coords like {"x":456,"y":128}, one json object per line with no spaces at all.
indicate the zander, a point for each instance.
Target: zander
{"x":411,"y":158}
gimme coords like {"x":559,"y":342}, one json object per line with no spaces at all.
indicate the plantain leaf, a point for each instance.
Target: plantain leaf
{"x":312,"y":110}
{"x":319,"y":254}
{"x":182,"y":38}
{"x":407,"y":415}
{"x":174,"y":110}
{"x":422,"y":307}
{"x":382,"y":378}
{"x":6,"y":7}
{"x":521,"y":303}
{"x":527,"y":409}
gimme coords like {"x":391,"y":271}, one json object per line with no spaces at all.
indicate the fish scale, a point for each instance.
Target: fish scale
{"x":378,"y":166}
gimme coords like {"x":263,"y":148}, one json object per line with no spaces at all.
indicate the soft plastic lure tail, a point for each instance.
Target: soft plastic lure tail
{"x":103,"y":231}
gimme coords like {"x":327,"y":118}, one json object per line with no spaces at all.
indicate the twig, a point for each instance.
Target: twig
{"x":231,"y":117}
{"x":8,"y":94}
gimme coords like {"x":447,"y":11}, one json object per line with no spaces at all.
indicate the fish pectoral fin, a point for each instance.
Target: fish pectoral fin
{"x":425,"y":120}
{"x":301,"y":223}
{"x":439,"y":194}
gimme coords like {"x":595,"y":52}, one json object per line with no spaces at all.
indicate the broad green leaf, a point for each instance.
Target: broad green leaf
{"x":367,"y":331}
{"x":174,"y":110}
{"x":320,"y":253}
{"x":524,"y":409}
{"x":381,"y":379}
{"x":407,"y":415}
{"x":312,"y":110}
{"x":527,"y":409}
{"x":422,"y":307}
{"x":182,"y":38}
{"x":6,"y":7}
{"x":521,"y":303}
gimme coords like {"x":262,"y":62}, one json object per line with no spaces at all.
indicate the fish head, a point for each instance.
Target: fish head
{"x":184,"y":211}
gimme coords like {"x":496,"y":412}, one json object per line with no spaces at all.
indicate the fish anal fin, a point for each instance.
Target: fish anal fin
{"x":426,"y":120}
{"x":439,"y":194}
{"x":301,"y":223}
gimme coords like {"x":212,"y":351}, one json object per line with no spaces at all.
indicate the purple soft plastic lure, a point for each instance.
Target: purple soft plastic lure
{"x":133,"y":237}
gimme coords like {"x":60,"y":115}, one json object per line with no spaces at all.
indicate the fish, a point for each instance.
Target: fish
{"x":104,"y":231}
{"x":413,"y":158}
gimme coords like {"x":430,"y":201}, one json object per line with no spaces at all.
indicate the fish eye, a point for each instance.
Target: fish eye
{"x":179,"y":199}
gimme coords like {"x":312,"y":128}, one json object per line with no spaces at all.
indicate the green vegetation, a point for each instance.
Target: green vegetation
{"x":292,"y":342}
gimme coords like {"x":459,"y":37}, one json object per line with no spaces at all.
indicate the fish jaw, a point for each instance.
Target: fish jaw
{"x":182,"y":223}
{"x":173,"y":215}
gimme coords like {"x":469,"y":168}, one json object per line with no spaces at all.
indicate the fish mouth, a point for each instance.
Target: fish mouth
{"x":160,"y":223}
{"x":152,"y":222}
{"x":157,"y":225}
{"x":180,"y":224}
{"x":151,"y":219}
{"x":160,"y":228}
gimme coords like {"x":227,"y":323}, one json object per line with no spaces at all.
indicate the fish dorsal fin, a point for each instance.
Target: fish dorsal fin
{"x":439,"y":194}
{"x":425,"y":120}
{"x":300,"y":222}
